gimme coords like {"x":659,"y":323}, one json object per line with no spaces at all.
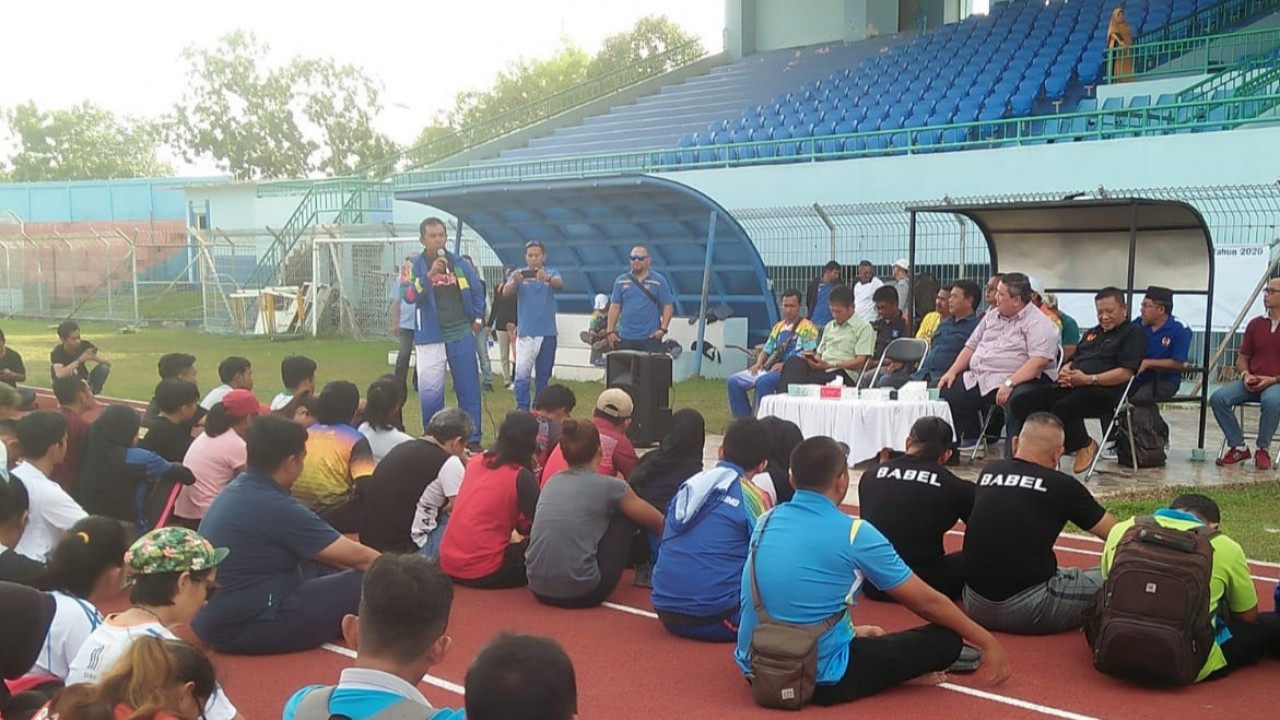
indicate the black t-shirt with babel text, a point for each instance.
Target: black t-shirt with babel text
{"x":1019,"y":509}
{"x":914,"y":503}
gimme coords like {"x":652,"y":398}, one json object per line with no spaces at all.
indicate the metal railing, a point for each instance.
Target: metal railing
{"x":1203,"y":115}
{"x":533,"y":112}
{"x":1196,"y":55}
{"x":1210,"y":20}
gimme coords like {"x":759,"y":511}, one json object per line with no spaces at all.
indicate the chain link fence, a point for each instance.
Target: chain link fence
{"x":796,"y":241}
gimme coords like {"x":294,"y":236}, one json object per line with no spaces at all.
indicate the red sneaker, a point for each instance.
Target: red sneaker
{"x":1262,"y":459}
{"x":1235,"y":455}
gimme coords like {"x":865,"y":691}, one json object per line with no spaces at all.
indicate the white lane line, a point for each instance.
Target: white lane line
{"x":631,"y":610}
{"x":441,"y":683}
{"x":1015,"y":702}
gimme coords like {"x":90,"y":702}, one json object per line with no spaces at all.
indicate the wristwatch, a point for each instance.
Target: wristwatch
{"x":1093,"y":380}
{"x":1008,"y":383}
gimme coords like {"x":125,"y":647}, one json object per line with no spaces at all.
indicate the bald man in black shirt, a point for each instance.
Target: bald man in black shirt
{"x":1012,"y":580}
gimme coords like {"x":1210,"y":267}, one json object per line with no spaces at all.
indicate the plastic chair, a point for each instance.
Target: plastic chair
{"x":905,"y":350}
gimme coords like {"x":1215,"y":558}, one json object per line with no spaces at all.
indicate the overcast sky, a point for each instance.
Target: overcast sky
{"x":124,"y":55}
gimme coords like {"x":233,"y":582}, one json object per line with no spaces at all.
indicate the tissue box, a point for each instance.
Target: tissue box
{"x":849,"y":393}
{"x":830,"y":392}
{"x":804,"y":390}
{"x":914,"y":392}
{"x":874,"y":394}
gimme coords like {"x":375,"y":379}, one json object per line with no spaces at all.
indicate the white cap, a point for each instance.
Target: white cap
{"x":902,"y":263}
{"x":601,"y":302}
{"x":1037,"y":285}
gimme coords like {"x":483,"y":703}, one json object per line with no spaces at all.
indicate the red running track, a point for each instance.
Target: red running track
{"x":629,"y":667}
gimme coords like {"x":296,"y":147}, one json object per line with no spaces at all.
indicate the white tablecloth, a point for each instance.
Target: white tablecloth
{"x":866,"y":426}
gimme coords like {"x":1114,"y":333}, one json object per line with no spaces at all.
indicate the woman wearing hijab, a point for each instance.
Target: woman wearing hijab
{"x":786,"y":436}
{"x":114,"y":475}
{"x":25,"y":617}
{"x":660,"y":473}
{"x":1119,"y":56}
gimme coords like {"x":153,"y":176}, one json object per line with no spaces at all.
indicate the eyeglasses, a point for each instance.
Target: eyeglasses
{"x":639,"y":258}
{"x":1267,"y":291}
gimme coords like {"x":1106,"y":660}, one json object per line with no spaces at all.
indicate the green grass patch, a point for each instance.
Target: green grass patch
{"x":133,"y":374}
{"x":1248,"y":512}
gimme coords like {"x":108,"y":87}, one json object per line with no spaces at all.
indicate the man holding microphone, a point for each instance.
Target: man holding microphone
{"x":449,"y":311}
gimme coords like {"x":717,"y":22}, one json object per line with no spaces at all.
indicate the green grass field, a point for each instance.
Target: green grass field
{"x":1249,"y":511}
{"x":133,"y":373}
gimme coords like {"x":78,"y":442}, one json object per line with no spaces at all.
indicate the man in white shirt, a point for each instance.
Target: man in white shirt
{"x":236,"y":373}
{"x":863,"y":306}
{"x":400,"y":633}
{"x":43,"y":436}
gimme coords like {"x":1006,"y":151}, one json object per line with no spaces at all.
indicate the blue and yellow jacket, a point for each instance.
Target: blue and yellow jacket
{"x":415,"y":289}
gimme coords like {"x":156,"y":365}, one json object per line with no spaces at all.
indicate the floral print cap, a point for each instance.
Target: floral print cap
{"x":172,"y":550}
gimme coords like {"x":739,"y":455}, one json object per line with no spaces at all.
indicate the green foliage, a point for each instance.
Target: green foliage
{"x":84,"y":142}
{"x":526,"y":81}
{"x":259,"y":121}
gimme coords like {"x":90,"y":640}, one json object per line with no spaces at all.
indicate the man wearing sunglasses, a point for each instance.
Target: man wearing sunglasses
{"x":641,"y":307}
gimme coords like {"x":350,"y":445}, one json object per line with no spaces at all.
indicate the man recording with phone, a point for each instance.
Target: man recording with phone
{"x":449,"y":308}
{"x":641,"y":307}
{"x":535,"y":286}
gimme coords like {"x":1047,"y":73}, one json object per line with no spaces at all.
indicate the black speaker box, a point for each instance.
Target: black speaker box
{"x":646,"y":377}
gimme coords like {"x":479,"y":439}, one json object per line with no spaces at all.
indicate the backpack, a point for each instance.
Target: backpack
{"x":1149,"y":432}
{"x":924,"y":295}
{"x":315,"y":706}
{"x":783,"y":658}
{"x":1152,"y":622}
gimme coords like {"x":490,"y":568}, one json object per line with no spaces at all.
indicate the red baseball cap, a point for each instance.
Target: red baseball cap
{"x":243,"y":404}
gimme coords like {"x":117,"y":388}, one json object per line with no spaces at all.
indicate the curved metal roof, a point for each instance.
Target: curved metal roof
{"x":589,"y":226}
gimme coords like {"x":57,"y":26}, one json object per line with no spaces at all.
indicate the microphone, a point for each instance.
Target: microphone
{"x":442,"y":253}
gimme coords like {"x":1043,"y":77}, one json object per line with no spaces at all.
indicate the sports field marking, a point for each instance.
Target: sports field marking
{"x":441,"y":683}
{"x":1015,"y":702}
{"x":631,"y":610}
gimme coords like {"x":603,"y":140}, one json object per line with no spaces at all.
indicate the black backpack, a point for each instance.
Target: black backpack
{"x":1150,"y":433}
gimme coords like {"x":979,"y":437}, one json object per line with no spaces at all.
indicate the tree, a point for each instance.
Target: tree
{"x":258,"y":121}
{"x":527,"y":81}
{"x":84,"y":142}
{"x":652,"y":35}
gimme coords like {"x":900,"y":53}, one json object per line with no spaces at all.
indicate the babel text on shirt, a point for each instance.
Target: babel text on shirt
{"x":911,"y":474}
{"x":1029,"y":482}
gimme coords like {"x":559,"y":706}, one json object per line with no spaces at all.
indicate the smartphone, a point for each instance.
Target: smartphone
{"x":529,"y":273}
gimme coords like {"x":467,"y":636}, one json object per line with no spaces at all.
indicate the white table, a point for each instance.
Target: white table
{"x":866,"y":426}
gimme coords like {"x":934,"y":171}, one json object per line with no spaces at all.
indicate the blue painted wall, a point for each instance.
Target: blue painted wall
{"x":90,"y":200}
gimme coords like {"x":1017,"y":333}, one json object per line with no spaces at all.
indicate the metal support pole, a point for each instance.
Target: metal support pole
{"x":706,"y":290}
{"x":315,"y":308}
{"x":1133,"y":248}
{"x":911,"y":276}
{"x":133,"y":250}
{"x":457,"y":238}
{"x":831,"y":228}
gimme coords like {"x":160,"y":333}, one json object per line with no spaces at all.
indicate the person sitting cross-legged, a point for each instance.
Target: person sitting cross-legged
{"x":808,"y":562}
{"x":338,"y":460}
{"x":290,"y":577}
{"x":1241,"y":633}
{"x":400,"y":633}
{"x":581,"y":538}
{"x":612,"y":417}
{"x":914,"y":501}
{"x":1012,"y":580}
{"x":1093,"y":382}
{"x":846,"y":346}
{"x":524,"y":677}
{"x":791,"y":337}
{"x":1011,"y":352}
{"x":1258,"y":362}
{"x":704,"y":542}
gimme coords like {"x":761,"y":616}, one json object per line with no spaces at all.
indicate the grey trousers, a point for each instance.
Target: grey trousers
{"x":1054,"y":606}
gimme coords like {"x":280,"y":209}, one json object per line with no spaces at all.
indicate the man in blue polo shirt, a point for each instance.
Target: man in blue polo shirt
{"x":952,"y":333}
{"x":1168,"y":345}
{"x":399,"y":635}
{"x":839,"y":552}
{"x":284,"y":592}
{"x":818,"y":293}
{"x":535,"y":287}
{"x":641,"y":307}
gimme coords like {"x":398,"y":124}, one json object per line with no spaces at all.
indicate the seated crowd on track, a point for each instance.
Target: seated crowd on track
{"x":277,"y":529}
